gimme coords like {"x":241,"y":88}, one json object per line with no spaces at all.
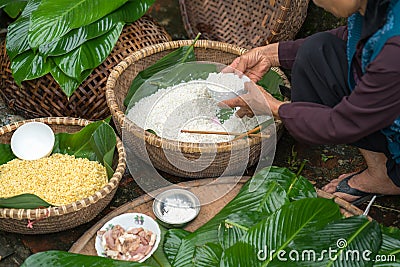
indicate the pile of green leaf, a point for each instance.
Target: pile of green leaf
{"x":275,"y":215}
{"x":96,"y":142}
{"x":67,"y":39}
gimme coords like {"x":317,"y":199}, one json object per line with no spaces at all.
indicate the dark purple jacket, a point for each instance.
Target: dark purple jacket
{"x":373,"y":104}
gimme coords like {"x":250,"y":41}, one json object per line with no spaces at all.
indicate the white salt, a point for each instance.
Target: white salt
{"x":177,"y":211}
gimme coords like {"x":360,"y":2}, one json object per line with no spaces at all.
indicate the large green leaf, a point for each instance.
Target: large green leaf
{"x":389,"y":253}
{"x":4,"y":3}
{"x":127,"y":13}
{"x":241,"y":254}
{"x":55,"y":18}
{"x":270,"y":82}
{"x":55,"y":258}
{"x":17,"y":35}
{"x":90,"y":54}
{"x":346,"y":242}
{"x":68,"y":84}
{"x":172,"y":245}
{"x":24,"y":201}
{"x":181,"y":55}
{"x":96,"y":141}
{"x":28,"y":66}
{"x":268,"y":197}
{"x":14,"y":9}
{"x":235,"y":226}
{"x":297,"y":187}
{"x":6,"y":153}
{"x":208,"y":255}
{"x":292,"y":221}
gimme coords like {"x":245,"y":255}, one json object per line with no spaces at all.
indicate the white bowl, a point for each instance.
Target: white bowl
{"x":129,"y":220}
{"x":33,"y":140}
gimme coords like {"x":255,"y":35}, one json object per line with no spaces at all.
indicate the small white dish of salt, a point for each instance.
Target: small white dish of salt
{"x":176,"y":207}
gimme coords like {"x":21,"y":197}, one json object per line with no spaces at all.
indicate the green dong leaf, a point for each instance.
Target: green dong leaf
{"x":89,"y":55}
{"x":28,"y":66}
{"x":67,"y":84}
{"x":6,"y":153}
{"x":55,"y":258}
{"x":292,"y":221}
{"x":208,"y":255}
{"x":127,"y":13}
{"x":17,"y":35}
{"x":14,"y":8}
{"x":270,"y":82}
{"x":55,"y":18}
{"x":346,"y":242}
{"x":96,"y":141}
{"x":23,"y":201}
{"x":389,"y":253}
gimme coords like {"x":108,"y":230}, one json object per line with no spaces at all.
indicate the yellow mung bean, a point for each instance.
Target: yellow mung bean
{"x":58,"y":179}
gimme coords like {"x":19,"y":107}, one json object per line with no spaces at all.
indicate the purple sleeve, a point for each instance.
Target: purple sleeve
{"x":374,"y":104}
{"x":287,"y":49}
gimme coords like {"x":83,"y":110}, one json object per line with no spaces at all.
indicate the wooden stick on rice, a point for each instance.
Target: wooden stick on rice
{"x":224,"y":133}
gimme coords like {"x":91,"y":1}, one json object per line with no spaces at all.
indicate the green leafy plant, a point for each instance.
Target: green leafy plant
{"x":259,"y":226}
{"x":67,"y":39}
{"x":96,"y":141}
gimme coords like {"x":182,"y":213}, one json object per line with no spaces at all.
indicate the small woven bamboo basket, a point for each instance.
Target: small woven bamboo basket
{"x":245,"y":23}
{"x":160,"y":151}
{"x":59,"y":218}
{"x":43,"y":97}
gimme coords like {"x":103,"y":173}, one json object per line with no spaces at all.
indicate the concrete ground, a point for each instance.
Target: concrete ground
{"x":323,"y":163}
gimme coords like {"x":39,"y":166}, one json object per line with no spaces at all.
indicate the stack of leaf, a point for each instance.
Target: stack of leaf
{"x":67,"y":38}
{"x":275,"y":220}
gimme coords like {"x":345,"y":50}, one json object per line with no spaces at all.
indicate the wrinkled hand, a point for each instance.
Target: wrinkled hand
{"x":256,"y":62}
{"x":256,"y":102}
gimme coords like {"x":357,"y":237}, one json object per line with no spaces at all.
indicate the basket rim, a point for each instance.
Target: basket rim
{"x":164,"y":142}
{"x":41,"y":213}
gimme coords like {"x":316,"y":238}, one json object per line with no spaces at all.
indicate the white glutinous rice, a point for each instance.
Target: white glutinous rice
{"x":230,"y":82}
{"x":189,"y":106}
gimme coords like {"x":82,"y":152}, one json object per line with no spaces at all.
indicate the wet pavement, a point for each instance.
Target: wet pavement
{"x":322,"y":163}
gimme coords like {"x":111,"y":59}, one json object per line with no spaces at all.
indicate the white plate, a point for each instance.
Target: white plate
{"x":129,"y":220}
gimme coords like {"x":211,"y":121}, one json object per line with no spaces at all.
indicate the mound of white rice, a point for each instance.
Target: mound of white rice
{"x":189,"y":106}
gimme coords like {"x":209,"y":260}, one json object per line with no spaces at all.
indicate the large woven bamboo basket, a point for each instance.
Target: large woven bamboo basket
{"x":59,"y":218}
{"x":245,"y":23}
{"x":43,"y":97}
{"x":160,"y":150}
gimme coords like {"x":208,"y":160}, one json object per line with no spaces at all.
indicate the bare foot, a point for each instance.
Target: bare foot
{"x":372,"y":180}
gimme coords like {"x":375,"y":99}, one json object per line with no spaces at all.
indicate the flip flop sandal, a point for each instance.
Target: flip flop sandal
{"x":344,"y":187}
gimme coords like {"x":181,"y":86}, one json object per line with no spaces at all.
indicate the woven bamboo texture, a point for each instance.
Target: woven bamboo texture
{"x":245,"y":23}
{"x":159,"y":150}
{"x":59,"y":218}
{"x":43,"y":97}
{"x":143,"y":204}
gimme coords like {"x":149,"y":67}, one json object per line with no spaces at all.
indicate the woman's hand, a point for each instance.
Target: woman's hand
{"x":257,"y":101}
{"x":256,"y":62}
